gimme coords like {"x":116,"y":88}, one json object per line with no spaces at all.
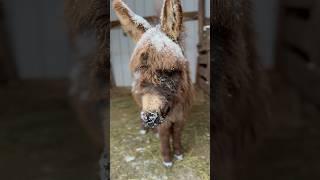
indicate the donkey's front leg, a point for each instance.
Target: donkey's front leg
{"x":164,"y":133}
{"x":176,"y":140}
{"x":143,"y":130}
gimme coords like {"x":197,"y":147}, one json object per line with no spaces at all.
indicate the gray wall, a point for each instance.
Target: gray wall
{"x":38,"y":38}
{"x":265,"y":19}
{"x":40,"y":44}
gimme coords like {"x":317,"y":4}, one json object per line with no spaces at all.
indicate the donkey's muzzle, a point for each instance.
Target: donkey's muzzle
{"x":151,"y":119}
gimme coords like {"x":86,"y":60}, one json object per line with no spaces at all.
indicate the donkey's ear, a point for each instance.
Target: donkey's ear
{"x":132,"y":24}
{"x":171,"y":18}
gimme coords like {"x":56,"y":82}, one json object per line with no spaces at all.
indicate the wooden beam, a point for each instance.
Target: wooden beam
{"x":201,"y":17}
{"x":187,"y":16}
{"x":203,"y":59}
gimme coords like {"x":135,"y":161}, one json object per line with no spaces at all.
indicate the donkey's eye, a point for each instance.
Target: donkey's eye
{"x":171,"y":72}
{"x":167,"y":73}
{"x":143,"y":61}
{"x":164,"y":76}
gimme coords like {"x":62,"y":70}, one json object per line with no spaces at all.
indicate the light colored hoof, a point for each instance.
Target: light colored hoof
{"x":167,"y":164}
{"x":157,"y":135}
{"x":179,"y":157}
{"x":143,"y":132}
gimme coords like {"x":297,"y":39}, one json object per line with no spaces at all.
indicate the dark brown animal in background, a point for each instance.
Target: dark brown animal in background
{"x":239,"y":96}
{"x":162,"y":86}
{"x":92,"y":16}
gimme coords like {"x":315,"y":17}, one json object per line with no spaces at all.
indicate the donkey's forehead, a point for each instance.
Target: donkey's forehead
{"x":160,"y":42}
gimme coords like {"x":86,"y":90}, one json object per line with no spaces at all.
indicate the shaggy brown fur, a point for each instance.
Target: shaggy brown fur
{"x":125,"y":15}
{"x":239,"y":94}
{"x":172,"y":14}
{"x":83,"y":16}
{"x":162,"y":83}
{"x":86,"y":15}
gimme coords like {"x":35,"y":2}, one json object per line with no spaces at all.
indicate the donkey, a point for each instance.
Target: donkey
{"x":162,"y":86}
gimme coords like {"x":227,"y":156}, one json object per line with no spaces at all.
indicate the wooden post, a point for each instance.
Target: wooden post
{"x":8,"y":70}
{"x":112,"y":80}
{"x":201,"y":15}
{"x":297,"y":56}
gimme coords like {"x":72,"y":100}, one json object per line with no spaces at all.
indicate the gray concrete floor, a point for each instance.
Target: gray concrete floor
{"x":40,"y":139}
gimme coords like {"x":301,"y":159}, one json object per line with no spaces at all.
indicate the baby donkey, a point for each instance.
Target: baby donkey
{"x":162,"y":86}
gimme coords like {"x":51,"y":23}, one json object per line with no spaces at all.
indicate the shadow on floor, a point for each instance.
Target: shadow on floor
{"x":290,"y":148}
{"x":40,"y":139}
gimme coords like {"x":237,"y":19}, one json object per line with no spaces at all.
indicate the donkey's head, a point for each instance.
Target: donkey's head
{"x":158,"y":63}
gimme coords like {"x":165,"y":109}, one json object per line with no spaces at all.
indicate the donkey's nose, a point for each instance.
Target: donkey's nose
{"x":150,"y":119}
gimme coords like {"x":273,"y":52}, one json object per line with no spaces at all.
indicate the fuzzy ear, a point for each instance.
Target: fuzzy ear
{"x":132,"y":24}
{"x":171,"y":18}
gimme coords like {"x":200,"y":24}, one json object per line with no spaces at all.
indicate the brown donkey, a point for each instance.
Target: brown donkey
{"x":162,"y":87}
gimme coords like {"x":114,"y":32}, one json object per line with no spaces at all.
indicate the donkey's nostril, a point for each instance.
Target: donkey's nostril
{"x":149,"y":116}
{"x":152,"y":116}
{"x":150,"y":119}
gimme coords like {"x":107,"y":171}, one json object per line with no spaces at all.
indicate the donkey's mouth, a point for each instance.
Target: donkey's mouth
{"x":152,"y":119}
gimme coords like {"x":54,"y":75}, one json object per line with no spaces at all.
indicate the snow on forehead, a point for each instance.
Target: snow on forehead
{"x":160,"y":41}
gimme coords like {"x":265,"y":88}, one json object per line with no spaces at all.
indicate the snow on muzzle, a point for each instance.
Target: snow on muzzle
{"x":151,"y":119}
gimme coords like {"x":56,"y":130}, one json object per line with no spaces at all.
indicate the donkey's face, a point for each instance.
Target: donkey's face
{"x":158,"y":98}
{"x":157,"y":61}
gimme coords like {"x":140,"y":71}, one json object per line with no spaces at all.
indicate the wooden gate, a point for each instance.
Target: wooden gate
{"x":203,"y":67}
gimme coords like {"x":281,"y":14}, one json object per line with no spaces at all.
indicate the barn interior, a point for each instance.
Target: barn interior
{"x":50,"y":128}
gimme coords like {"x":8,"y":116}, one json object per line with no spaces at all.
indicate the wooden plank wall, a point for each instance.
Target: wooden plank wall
{"x":299,"y":55}
{"x":122,"y":46}
{"x":203,"y":66}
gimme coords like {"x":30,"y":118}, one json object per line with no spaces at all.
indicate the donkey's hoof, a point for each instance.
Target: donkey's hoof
{"x":167,"y":164}
{"x":179,"y":157}
{"x":143,"y":132}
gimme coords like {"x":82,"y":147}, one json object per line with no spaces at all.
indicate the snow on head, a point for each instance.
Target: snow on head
{"x":140,"y":20}
{"x":160,"y":41}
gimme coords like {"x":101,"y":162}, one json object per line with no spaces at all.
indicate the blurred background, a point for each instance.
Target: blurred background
{"x":50,"y":125}
{"x":288,"y":46}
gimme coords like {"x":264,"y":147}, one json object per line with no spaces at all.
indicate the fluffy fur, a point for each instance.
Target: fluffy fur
{"x":131,"y":23}
{"x":239,"y":91}
{"x":161,"y":72}
{"x":83,"y":16}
